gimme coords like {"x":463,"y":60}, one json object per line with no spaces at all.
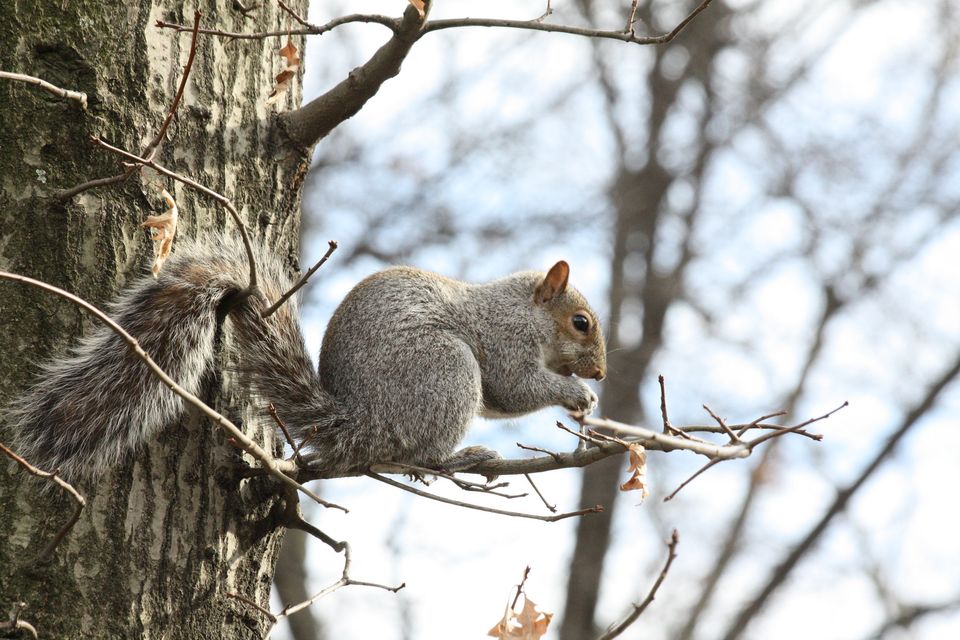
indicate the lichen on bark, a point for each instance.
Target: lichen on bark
{"x":163,"y":538}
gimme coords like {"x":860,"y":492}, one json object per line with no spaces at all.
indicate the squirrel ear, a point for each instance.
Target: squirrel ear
{"x":554,"y":283}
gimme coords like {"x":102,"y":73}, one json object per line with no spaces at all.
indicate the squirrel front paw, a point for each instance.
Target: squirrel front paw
{"x":582,"y":399}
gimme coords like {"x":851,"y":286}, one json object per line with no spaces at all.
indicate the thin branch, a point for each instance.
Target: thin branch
{"x":421,"y":473}
{"x":302,"y":281}
{"x":272,"y":410}
{"x":624,"y":36}
{"x":250,"y":603}
{"x":751,"y":444}
{"x":22,"y":625}
{"x":223,"y":200}
{"x":552,"y":454}
{"x":780,"y":573}
{"x":60,"y":482}
{"x":467,"y":505}
{"x":310,"y":30}
{"x":723,"y":425}
{"x":293,"y":14}
{"x":344,"y":581}
{"x":552,"y":508}
{"x":151,"y":149}
{"x":523,"y":581}
{"x":77,"y":96}
{"x":269,"y":462}
{"x":638,"y":609}
{"x":667,"y":427}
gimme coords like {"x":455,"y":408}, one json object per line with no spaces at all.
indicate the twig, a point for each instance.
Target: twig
{"x":77,"y":96}
{"x":552,"y":508}
{"x":248,"y":445}
{"x":667,"y":427}
{"x":783,"y":569}
{"x":467,"y":505}
{"x":623,"y":36}
{"x":632,"y":18}
{"x":21,"y":625}
{"x":60,"y":482}
{"x":344,"y":581}
{"x":151,"y":149}
{"x":223,"y":200}
{"x":584,"y":437}
{"x":247,"y":601}
{"x":308,"y":29}
{"x":523,"y":581}
{"x":734,"y":438}
{"x":272,"y":410}
{"x":302,"y":281}
{"x":546,"y":13}
{"x":467,"y":485}
{"x":638,"y":609}
{"x":393,"y":24}
{"x":749,"y":445}
{"x":553,"y":454}
{"x":293,"y":14}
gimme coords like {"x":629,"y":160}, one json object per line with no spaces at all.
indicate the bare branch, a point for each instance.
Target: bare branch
{"x":751,"y":444}
{"x":638,"y":609}
{"x":780,"y":573}
{"x":552,"y":508}
{"x":467,"y":505}
{"x":302,"y":281}
{"x":536,"y":25}
{"x":78,"y":96}
{"x":60,"y":482}
{"x":307,"y":30}
{"x":344,"y":581}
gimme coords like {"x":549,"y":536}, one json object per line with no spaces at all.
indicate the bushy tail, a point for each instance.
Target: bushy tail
{"x":94,"y":407}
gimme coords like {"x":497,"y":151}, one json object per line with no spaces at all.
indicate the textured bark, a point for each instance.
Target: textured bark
{"x":163,"y":538}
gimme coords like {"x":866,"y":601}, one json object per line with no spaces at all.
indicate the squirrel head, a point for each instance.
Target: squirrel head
{"x":579,"y":347}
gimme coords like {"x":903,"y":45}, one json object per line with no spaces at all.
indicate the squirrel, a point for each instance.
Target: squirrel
{"x":408,"y":359}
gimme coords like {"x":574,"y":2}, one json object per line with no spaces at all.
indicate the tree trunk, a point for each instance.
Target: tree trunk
{"x":165,"y":537}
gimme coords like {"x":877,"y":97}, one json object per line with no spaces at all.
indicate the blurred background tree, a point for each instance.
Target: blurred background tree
{"x":766,"y":212}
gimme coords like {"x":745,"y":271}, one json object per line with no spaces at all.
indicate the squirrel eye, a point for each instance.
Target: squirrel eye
{"x":581,"y":323}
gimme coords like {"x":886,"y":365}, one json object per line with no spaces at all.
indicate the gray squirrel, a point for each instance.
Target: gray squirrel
{"x":408,"y":359}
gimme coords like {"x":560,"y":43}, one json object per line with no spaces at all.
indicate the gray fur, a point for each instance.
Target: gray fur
{"x":412,"y":357}
{"x":408,"y":360}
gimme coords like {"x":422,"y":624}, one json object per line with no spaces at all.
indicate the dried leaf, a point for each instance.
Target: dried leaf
{"x":530,"y":624}
{"x":638,"y":469}
{"x":163,"y":228}
{"x":285,"y":77}
{"x":420,"y":6}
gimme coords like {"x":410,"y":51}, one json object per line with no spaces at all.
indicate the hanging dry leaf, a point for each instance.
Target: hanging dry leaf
{"x":530,"y":624}
{"x":285,"y":77}
{"x":638,"y":467}
{"x":162,"y":229}
{"x":420,"y":6}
